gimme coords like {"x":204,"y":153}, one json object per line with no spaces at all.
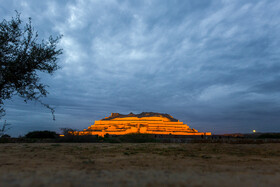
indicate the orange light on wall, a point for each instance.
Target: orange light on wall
{"x":146,"y":122}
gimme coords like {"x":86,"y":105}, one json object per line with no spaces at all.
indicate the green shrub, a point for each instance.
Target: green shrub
{"x":270,"y":136}
{"x":80,"y":138}
{"x":5,"y":136}
{"x":42,"y":134}
{"x":137,"y":138}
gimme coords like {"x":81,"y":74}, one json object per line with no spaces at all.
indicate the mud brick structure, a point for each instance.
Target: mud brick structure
{"x":146,"y":122}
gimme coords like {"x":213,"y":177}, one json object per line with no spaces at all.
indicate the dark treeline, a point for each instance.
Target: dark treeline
{"x":51,"y":136}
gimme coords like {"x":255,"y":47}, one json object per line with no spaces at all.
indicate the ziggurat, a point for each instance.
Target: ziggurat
{"x":146,"y":122}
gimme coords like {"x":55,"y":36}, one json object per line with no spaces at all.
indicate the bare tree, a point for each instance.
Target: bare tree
{"x":22,"y":56}
{"x":4,"y":128}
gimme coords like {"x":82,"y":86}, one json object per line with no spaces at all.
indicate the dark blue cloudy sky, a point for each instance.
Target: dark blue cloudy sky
{"x":211,"y":64}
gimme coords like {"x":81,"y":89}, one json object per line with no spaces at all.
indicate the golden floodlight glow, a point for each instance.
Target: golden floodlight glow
{"x":61,"y":135}
{"x":146,"y":123}
{"x":254,"y":131}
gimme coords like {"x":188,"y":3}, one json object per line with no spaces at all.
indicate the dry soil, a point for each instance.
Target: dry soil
{"x":147,"y":164}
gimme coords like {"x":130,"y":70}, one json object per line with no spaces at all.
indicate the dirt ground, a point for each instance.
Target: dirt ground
{"x":146,"y":164}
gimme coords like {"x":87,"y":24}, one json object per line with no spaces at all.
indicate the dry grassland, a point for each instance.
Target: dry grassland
{"x":147,"y":164}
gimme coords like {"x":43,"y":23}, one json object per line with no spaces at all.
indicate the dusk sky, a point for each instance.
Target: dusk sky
{"x":212,"y":64}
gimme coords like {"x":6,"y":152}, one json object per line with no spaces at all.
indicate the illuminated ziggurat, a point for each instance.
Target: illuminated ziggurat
{"x":146,"y":122}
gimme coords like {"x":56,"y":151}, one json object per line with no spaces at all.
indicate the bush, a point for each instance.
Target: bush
{"x":270,"y":136}
{"x":137,"y":138}
{"x":5,"y":136}
{"x":77,"y":138}
{"x":67,"y":131}
{"x":42,"y":134}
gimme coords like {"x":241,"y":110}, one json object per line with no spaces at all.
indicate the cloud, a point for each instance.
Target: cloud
{"x":212,"y":64}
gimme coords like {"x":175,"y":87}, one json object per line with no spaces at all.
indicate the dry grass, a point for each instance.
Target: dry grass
{"x":149,"y":164}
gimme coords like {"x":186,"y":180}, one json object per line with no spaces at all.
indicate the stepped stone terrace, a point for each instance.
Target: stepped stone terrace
{"x":145,"y":122}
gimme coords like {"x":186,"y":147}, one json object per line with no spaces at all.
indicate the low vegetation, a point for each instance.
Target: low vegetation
{"x":42,"y":135}
{"x":269,"y":136}
{"x":51,"y":136}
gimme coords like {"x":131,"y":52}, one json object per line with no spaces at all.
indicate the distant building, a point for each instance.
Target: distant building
{"x":146,"y":122}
